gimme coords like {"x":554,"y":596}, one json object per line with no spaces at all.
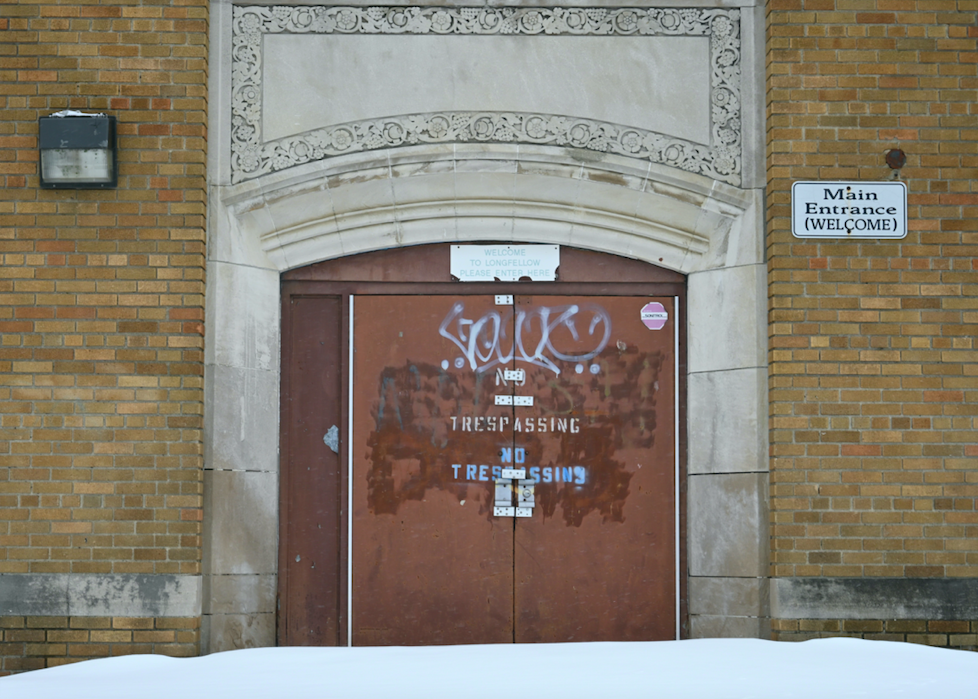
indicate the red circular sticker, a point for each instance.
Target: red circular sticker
{"x":654,"y":315}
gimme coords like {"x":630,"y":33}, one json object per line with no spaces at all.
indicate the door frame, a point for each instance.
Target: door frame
{"x":420,"y":271}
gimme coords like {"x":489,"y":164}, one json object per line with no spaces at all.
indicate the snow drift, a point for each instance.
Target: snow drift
{"x":711,"y":668}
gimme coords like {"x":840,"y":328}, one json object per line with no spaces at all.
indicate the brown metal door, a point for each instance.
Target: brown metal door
{"x":312,"y":483}
{"x":430,"y":563}
{"x":597,"y":559}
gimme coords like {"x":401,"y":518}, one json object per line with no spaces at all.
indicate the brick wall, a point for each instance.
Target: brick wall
{"x":32,"y":643}
{"x":101,"y":303}
{"x":873,"y":378}
{"x":872,"y":363}
{"x":960,"y":635}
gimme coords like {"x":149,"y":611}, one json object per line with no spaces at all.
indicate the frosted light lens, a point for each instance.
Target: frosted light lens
{"x":76,"y":165}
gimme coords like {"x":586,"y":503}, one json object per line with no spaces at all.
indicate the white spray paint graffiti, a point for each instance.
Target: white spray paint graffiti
{"x":483,"y":341}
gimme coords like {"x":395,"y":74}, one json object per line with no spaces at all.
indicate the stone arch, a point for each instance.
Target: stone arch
{"x":346,"y":205}
{"x":412,"y":196}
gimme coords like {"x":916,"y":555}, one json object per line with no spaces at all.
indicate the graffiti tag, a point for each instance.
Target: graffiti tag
{"x":541,"y":336}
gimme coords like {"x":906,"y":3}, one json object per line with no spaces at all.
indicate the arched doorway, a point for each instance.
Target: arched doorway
{"x":708,"y":231}
{"x":391,"y":367}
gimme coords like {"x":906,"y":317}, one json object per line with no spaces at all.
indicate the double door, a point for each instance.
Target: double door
{"x":459,"y":401}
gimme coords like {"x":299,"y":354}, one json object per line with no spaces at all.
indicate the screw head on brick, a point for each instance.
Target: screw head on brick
{"x":896,"y":158}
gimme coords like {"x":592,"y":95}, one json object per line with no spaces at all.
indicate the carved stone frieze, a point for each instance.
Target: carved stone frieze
{"x":252,"y":157}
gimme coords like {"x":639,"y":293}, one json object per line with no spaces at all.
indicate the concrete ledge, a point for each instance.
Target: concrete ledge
{"x":710,"y":626}
{"x":874,"y":598}
{"x":126,"y":595}
{"x":729,"y":596}
{"x":220,"y":632}
{"x":240,"y":594}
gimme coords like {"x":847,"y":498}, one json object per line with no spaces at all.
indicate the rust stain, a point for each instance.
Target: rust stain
{"x":412,"y":447}
{"x":607,"y":177}
{"x":618,"y":411}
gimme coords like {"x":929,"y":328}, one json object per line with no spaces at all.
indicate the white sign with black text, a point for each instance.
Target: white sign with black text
{"x":849,"y":209}
{"x":506,"y":263}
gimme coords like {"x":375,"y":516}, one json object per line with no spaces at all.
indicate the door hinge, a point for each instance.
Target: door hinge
{"x":514,"y":400}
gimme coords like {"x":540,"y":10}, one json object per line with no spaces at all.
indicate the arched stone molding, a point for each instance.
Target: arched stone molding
{"x":435,"y":194}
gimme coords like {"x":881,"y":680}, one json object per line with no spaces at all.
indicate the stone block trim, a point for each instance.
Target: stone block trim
{"x":101,"y":295}
{"x":956,"y":634}
{"x":874,"y":598}
{"x":873,"y":393}
{"x":76,"y":595}
{"x":36,"y":642}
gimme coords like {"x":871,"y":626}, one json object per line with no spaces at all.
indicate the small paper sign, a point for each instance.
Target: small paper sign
{"x":506,"y":263}
{"x":654,"y":315}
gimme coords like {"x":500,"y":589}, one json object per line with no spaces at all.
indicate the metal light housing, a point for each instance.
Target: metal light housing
{"x":77,"y":151}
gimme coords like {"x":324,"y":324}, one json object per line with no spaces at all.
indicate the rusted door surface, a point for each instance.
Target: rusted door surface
{"x":596,"y":560}
{"x":312,"y":478}
{"x":430,"y":563}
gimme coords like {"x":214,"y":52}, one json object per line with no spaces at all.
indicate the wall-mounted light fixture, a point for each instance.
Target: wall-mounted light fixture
{"x":77,"y":151}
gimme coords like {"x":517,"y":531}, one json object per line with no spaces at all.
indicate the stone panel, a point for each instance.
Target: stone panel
{"x":243,"y":316}
{"x":220,"y":632}
{"x":239,"y":594}
{"x":753,"y":92}
{"x":729,"y":434}
{"x":317,"y":80}
{"x":727,"y":326}
{"x":727,"y":529}
{"x":240,"y":522}
{"x":634,"y":110}
{"x":729,"y":627}
{"x":242,"y":422}
{"x":728,"y":596}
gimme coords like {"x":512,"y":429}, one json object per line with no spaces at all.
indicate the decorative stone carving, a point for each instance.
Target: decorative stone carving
{"x":251,"y":157}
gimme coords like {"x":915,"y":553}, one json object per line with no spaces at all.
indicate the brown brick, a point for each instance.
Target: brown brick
{"x":84,"y":274}
{"x":896,"y":444}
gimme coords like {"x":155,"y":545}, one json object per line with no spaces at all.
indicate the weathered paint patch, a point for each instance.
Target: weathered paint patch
{"x":425,"y":438}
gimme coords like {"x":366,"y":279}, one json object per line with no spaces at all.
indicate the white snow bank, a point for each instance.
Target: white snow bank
{"x":713,"y":668}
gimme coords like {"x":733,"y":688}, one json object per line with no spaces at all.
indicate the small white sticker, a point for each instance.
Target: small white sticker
{"x":654,"y":315}
{"x":332,"y":439}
